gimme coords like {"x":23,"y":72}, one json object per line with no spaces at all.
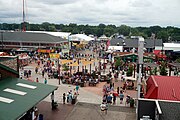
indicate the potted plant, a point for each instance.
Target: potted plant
{"x":130,"y":71}
{"x":65,"y":67}
{"x":131,"y":101}
{"x":163,"y":70}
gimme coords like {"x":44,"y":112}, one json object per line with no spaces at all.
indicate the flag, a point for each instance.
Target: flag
{"x":108,"y":44}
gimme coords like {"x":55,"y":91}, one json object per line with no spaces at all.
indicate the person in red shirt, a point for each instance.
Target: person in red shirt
{"x":37,"y":80}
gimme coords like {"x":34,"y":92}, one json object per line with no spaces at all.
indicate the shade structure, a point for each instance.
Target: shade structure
{"x":74,"y":64}
{"x":84,"y":63}
{"x":65,"y":61}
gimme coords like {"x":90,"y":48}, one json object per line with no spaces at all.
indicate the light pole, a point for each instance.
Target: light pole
{"x":2,"y":37}
{"x":69,"y":43}
{"x":162,"y":50}
{"x":124,"y":44}
{"x":140,"y":62}
{"x":59,"y":72}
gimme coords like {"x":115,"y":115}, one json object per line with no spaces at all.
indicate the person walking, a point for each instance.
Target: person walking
{"x":118,"y":90}
{"x":64,"y":98}
{"x":121,"y":96}
{"x":37,"y":80}
{"x":77,"y":89}
{"x":42,"y":73}
{"x":45,"y":81}
{"x":36,"y":70}
{"x":114,"y":98}
{"x":29,"y":72}
{"x":104,"y":107}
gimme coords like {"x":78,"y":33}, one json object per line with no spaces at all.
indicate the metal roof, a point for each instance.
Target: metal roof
{"x":17,"y":96}
{"x":150,"y":43}
{"x":163,"y":88}
{"x":31,"y":37}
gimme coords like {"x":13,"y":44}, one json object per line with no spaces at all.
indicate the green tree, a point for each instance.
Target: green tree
{"x":155,"y":71}
{"x":163,"y":70}
{"x":124,"y":30}
{"x":163,"y":35}
{"x":119,"y":63}
{"x":130,"y":71}
{"x":65,"y":67}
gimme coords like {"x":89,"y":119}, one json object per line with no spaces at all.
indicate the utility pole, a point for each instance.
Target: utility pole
{"x":140,"y":62}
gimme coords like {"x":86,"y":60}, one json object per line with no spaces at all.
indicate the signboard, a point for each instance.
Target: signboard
{"x":45,"y":51}
{"x":54,"y":55}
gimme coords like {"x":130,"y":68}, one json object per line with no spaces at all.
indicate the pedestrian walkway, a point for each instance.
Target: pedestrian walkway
{"x":87,"y":94}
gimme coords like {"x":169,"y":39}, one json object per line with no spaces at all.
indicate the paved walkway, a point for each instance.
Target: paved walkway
{"x":87,"y":94}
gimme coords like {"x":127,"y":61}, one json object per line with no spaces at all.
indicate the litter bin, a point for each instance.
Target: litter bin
{"x":74,"y":100}
{"x":55,"y":75}
{"x":41,"y":117}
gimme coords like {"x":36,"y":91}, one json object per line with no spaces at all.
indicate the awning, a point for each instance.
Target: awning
{"x":86,"y":62}
{"x":65,"y":61}
{"x":17,"y":96}
{"x":74,"y":64}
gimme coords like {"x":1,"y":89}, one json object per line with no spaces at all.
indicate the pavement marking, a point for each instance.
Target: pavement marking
{"x":6,"y":100}
{"x":26,"y":85}
{"x":14,"y":91}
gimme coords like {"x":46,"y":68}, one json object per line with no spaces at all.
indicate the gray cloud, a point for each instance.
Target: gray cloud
{"x":140,"y":3}
{"x":56,"y":2}
{"x":130,"y":12}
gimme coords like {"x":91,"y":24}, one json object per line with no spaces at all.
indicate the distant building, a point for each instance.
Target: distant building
{"x":129,"y":44}
{"x":12,"y":40}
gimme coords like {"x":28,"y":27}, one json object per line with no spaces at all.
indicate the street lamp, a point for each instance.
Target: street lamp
{"x":69,"y":43}
{"x":140,"y":62}
{"x":162,"y":50}
{"x":124,"y":44}
{"x":2,"y":37}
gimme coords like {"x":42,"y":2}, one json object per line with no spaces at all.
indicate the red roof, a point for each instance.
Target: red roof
{"x":163,"y":87}
{"x":159,"y":54}
{"x":156,"y":52}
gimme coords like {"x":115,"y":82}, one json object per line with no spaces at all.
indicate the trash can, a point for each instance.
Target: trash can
{"x":55,"y":75}
{"x":74,"y":100}
{"x":41,"y":117}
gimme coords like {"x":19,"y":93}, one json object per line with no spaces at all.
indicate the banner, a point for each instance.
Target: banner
{"x":45,"y":51}
{"x":54,"y":55}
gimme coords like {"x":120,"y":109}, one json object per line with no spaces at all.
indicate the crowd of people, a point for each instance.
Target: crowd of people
{"x":71,"y":96}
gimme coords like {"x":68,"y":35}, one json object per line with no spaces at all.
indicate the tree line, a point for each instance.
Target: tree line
{"x":167,"y":34}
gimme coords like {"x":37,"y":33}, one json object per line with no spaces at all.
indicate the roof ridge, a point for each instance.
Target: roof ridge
{"x":8,"y":69}
{"x":155,"y":83}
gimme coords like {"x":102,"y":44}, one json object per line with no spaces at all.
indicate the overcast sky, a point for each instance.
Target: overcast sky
{"x":93,"y":12}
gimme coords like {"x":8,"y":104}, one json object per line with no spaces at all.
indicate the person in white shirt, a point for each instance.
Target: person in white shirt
{"x":104,"y":107}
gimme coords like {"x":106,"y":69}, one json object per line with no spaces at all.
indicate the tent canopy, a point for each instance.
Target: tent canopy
{"x":65,"y":61}
{"x":74,"y":64}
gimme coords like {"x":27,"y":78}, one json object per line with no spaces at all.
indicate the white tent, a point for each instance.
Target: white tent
{"x":169,"y":46}
{"x":80,"y":37}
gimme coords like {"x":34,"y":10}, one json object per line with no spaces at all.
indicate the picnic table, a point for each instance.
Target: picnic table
{"x":93,"y":83}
